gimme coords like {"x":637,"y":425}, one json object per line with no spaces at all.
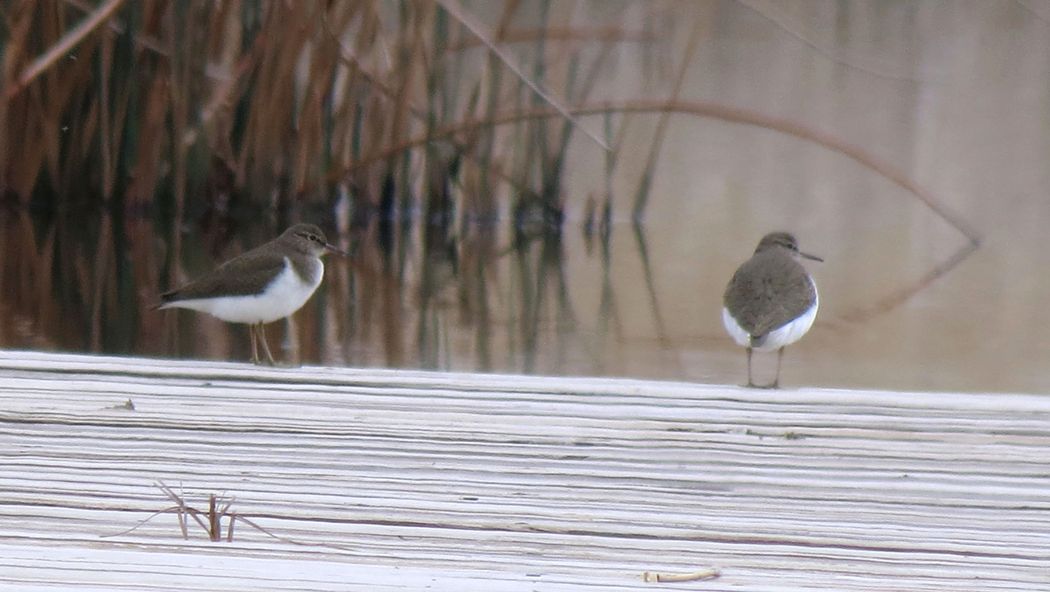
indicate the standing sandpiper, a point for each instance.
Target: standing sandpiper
{"x":267,"y":283}
{"x":771,"y":301}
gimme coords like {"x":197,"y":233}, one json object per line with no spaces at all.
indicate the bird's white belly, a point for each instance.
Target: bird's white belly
{"x":778,"y":338}
{"x":286,"y":294}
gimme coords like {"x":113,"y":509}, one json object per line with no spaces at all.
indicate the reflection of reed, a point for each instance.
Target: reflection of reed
{"x":79,"y":282}
{"x":438,"y":268}
{"x":388,"y":302}
{"x":891,"y":301}
{"x":458,"y":302}
{"x":29,"y":316}
{"x":537,"y":301}
{"x":478,"y":261}
{"x":103,"y":275}
{"x":654,"y":302}
{"x":609,"y":323}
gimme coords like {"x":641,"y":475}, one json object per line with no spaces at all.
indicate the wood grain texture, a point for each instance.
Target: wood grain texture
{"x":407,"y":480}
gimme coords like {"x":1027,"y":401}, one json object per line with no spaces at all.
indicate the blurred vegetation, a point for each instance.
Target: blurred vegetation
{"x":391,"y":116}
{"x":419,"y":123}
{"x":200,"y":105}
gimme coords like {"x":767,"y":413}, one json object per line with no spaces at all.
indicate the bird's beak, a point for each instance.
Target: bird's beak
{"x":334,"y":249}
{"x":808,"y":256}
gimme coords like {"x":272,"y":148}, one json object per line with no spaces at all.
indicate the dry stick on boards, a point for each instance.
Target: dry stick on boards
{"x":182,"y":510}
{"x":704,"y":574}
{"x":215,"y":513}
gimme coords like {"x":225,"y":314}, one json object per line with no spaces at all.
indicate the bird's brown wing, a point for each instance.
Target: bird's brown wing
{"x":760,"y":305}
{"x":240,"y":276}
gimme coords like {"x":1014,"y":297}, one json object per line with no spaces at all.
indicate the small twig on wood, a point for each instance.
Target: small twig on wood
{"x":218,"y":508}
{"x":183,"y":508}
{"x":281,"y":538}
{"x":704,"y":574}
{"x":143,"y":522}
{"x":214,"y":519}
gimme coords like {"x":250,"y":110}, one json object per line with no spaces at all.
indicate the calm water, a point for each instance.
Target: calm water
{"x":955,"y":95}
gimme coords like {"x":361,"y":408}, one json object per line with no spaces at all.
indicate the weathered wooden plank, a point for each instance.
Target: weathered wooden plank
{"x":378,"y":479}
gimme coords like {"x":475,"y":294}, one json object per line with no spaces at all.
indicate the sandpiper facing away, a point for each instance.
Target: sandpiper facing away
{"x":771,"y":301}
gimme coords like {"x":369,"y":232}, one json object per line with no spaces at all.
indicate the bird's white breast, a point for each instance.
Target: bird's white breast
{"x":284,"y":295}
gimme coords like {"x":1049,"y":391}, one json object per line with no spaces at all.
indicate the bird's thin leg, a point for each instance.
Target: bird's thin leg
{"x":265,"y":346}
{"x":750,"y":383}
{"x":255,"y":349}
{"x":776,"y":381}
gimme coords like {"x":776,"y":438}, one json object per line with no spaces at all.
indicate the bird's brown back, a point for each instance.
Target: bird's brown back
{"x":250,"y":272}
{"x":769,"y":291}
{"x":243,"y":275}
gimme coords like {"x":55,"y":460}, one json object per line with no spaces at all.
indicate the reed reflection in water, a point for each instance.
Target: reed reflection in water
{"x":900,"y":141}
{"x":487,"y":302}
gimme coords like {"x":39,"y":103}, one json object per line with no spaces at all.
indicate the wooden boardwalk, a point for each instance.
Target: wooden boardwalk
{"x":375,"y":480}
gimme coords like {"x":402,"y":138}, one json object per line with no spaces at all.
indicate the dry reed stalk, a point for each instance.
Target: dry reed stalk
{"x":641,"y":200}
{"x":153,"y":137}
{"x":270,"y":138}
{"x":19,"y":174}
{"x":63,"y":46}
{"x":274,"y":100}
{"x":104,"y":262}
{"x":455,"y":9}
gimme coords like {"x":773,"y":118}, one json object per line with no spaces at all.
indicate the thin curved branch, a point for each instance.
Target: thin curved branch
{"x":610,"y":34}
{"x":887,"y":303}
{"x":64,"y":45}
{"x":453,"y":8}
{"x":802,"y":38}
{"x":700,"y":109}
{"x":1032,"y":11}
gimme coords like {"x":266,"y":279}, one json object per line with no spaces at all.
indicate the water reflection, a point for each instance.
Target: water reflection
{"x":489,"y":299}
{"x":953,"y":95}
{"x":482,"y":298}
{"x":493,"y":300}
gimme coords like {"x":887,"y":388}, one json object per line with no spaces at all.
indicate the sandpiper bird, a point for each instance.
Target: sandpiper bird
{"x":771,"y":301}
{"x":265,"y":284}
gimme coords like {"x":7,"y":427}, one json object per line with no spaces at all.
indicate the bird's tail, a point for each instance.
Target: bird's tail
{"x":165,"y":299}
